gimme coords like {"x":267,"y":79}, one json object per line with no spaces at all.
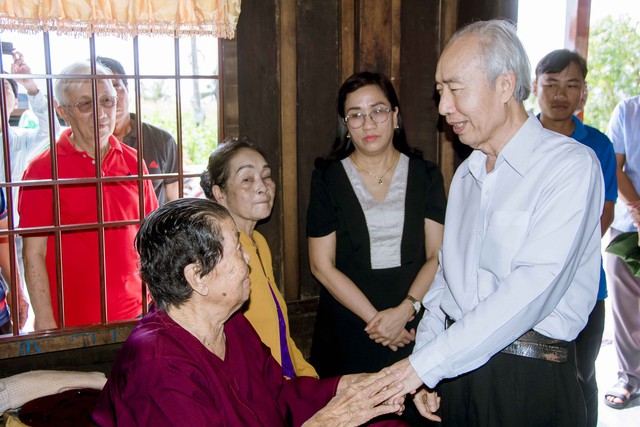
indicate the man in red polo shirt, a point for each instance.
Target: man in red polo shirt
{"x":76,"y":157}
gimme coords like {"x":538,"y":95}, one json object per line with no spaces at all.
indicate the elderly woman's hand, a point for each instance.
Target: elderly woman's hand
{"x":360,"y":397}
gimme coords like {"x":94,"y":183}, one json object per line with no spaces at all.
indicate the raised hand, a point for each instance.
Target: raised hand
{"x":21,"y":67}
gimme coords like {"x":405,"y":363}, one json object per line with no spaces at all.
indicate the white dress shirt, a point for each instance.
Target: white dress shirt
{"x":521,"y":250}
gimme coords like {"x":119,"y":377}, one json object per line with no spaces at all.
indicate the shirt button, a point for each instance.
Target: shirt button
{"x":93,"y":161}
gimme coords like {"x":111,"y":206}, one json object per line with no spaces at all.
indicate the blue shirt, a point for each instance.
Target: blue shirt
{"x":602,"y":146}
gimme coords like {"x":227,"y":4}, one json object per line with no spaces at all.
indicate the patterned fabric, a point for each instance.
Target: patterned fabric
{"x":216,"y":18}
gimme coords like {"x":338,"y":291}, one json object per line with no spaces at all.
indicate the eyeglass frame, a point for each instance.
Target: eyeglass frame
{"x":89,"y":103}
{"x":364,"y":117}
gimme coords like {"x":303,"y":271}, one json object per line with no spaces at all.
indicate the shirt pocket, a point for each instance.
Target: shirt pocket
{"x":504,"y":236}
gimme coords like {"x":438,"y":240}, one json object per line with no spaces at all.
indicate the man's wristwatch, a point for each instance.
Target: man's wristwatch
{"x":417,"y":305}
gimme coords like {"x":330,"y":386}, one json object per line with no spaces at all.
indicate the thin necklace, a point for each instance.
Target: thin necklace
{"x":379,"y":178}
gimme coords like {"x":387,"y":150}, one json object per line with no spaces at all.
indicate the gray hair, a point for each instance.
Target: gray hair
{"x":65,"y":87}
{"x":501,"y":51}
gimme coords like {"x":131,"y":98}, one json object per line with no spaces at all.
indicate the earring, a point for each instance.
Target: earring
{"x":348,"y":136}
{"x":397,"y":126}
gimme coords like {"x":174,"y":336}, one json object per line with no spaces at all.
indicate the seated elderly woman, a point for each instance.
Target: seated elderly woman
{"x":195,"y":360}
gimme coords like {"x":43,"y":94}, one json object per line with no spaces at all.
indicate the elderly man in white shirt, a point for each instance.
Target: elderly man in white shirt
{"x":521,"y":250}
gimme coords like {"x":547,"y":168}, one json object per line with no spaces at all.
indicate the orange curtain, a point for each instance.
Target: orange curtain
{"x":122,"y":17}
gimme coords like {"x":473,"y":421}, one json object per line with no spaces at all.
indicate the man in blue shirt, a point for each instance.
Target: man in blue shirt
{"x":559,"y":87}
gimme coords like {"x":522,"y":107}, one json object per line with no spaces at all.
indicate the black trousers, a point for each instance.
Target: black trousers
{"x":587,"y":349}
{"x":515,"y":391}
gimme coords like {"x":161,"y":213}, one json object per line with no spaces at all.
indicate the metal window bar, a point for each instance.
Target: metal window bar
{"x":136,"y":68}
{"x":57,"y":228}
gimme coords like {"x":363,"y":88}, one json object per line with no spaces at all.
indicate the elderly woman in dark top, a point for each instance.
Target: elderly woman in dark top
{"x":197,"y":361}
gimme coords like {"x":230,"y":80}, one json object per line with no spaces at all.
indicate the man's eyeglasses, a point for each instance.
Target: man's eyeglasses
{"x":378,"y":115}
{"x":87,"y":106}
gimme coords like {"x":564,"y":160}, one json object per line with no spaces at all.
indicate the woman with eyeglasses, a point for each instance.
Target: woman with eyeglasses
{"x":374,"y":227}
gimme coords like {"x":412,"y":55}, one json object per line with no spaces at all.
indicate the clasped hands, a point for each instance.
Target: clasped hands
{"x":361,"y":397}
{"x":387,"y":327}
{"x":426,"y":400}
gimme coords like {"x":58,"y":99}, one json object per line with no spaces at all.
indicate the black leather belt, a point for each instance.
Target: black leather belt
{"x":534,"y":345}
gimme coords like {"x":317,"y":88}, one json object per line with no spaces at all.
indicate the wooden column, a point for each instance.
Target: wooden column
{"x":448,"y":159}
{"x":378,"y":37}
{"x":320,"y":27}
{"x":577,"y":26}
{"x":259,"y":109}
{"x":347,"y":38}
{"x":289,"y":182}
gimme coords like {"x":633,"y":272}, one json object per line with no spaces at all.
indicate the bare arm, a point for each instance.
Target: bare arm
{"x":34,"y":253}
{"x":387,"y":326}
{"x":7,"y":269}
{"x":433,"y":232}
{"x":38,"y":103}
{"x":607,"y":216}
{"x":626,"y":191}
{"x":322,"y":257}
{"x":4,"y":252}
{"x":171,"y":190}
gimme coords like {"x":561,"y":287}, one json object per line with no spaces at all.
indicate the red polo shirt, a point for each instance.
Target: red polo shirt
{"x":80,"y":255}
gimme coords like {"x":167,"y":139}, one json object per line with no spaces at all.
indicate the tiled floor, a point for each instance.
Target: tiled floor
{"x":606,"y":372}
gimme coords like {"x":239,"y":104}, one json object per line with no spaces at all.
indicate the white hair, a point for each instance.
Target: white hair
{"x":66,"y":86}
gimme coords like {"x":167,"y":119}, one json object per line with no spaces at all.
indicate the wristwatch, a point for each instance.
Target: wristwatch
{"x":417,"y":305}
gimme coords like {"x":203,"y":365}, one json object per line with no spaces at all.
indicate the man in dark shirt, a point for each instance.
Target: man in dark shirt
{"x":159,"y":149}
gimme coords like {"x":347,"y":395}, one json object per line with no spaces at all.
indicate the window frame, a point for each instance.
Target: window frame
{"x":64,"y":338}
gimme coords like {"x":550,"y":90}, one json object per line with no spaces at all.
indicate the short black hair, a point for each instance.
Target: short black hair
{"x":558,"y":60}
{"x":181,"y":232}
{"x":114,"y":65}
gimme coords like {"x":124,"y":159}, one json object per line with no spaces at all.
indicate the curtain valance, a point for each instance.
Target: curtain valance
{"x":217,"y":18}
